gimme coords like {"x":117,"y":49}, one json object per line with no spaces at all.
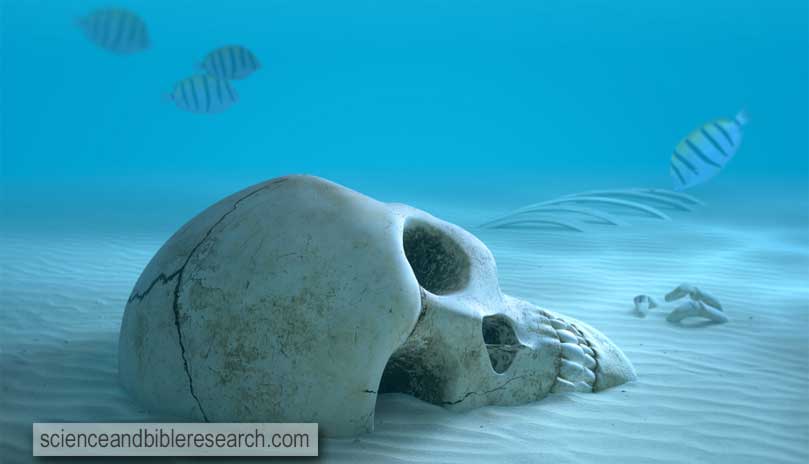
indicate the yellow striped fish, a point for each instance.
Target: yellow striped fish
{"x":115,"y":29}
{"x":704,"y":153}
{"x":230,"y":62}
{"x":203,"y":94}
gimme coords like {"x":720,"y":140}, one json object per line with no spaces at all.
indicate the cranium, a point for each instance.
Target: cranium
{"x":298,"y":300}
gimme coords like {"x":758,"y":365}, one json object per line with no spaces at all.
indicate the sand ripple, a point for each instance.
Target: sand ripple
{"x":707,"y":393}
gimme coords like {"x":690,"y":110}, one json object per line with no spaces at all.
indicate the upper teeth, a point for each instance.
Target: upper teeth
{"x":578,"y":362}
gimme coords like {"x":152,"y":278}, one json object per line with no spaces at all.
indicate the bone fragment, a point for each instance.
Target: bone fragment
{"x":696,"y":309}
{"x":644,"y":303}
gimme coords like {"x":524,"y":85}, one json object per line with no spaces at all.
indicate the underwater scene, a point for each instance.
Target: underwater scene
{"x":445,"y":231}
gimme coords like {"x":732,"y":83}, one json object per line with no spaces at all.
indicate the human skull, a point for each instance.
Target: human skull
{"x":298,"y":300}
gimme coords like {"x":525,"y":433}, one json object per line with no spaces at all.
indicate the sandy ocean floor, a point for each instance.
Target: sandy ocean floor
{"x":735,"y":393}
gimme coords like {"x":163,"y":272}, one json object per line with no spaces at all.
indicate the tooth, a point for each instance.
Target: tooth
{"x":588,"y":351}
{"x":559,"y":324}
{"x":583,"y":387}
{"x":589,"y":376}
{"x":566,"y":336}
{"x":573,"y":352}
{"x":562,"y":386}
{"x":589,"y":362}
{"x":570,"y":370}
{"x":575,"y":372}
{"x":546,"y":331}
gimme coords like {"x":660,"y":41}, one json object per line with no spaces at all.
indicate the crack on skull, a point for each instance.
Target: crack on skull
{"x":485,"y":392}
{"x":178,"y":275}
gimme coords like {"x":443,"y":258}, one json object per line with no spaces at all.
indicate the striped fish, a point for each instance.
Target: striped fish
{"x":704,"y":153}
{"x":203,"y":94}
{"x":115,"y":29}
{"x":230,"y":62}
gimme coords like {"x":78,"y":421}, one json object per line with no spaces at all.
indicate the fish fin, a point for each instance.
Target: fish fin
{"x":166,"y":97}
{"x":742,"y":117}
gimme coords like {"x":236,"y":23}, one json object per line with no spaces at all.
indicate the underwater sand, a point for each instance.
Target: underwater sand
{"x":706,"y":393}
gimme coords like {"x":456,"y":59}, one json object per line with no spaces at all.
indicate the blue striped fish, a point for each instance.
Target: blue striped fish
{"x":704,"y":153}
{"x":230,"y":62}
{"x":115,"y":29}
{"x":203,"y":94}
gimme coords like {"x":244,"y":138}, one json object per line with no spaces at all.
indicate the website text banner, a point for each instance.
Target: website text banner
{"x":175,"y":439}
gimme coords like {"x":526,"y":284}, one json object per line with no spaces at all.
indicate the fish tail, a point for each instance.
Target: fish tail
{"x":742,"y":117}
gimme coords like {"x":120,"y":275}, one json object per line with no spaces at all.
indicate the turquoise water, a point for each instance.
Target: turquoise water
{"x":481,"y":101}
{"x":467,"y":109}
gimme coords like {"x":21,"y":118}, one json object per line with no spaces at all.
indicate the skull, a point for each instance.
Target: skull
{"x":298,"y":300}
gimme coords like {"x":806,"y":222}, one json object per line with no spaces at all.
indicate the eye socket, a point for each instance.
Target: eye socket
{"x":441,"y":266}
{"x":501,"y":342}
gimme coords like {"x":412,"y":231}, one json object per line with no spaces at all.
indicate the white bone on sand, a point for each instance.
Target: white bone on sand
{"x":695,"y":294}
{"x":643,"y":303}
{"x":696,"y":309}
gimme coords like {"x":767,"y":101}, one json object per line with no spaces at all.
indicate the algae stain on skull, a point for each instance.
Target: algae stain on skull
{"x":297,"y":300}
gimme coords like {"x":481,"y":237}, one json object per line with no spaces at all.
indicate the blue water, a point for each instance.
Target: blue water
{"x":467,"y":109}
{"x":480,"y":101}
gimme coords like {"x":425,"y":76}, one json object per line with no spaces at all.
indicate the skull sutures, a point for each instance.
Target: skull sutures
{"x":298,"y":300}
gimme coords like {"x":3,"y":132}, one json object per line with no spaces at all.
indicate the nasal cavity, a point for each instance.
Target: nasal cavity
{"x":440,"y":264}
{"x":501,"y":342}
